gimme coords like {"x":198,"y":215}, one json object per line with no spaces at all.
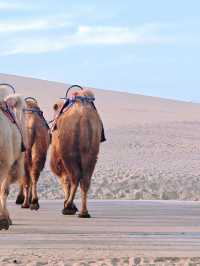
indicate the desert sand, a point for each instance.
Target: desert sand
{"x":152,"y":149}
{"x":119,"y":233}
{"x":152,"y":152}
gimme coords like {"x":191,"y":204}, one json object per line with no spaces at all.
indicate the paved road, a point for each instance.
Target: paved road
{"x":139,"y":227}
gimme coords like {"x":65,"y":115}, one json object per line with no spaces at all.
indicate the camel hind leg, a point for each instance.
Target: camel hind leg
{"x":38,"y":163}
{"x":4,"y":215}
{"x":89,"y":165}
{"x":16,"y":171}
{"x":24,"y":187}
{"x":35,"y":173}
{"x":66,"y":184}
{"x":69,"y":206}
{"x":84,"y":184}
{"x":26,"y":192}
{"x":20,"y":196}
{"x":75,"y":174}
{"x":73,"y":169}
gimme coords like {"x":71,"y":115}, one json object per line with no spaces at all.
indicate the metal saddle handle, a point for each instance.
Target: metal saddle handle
{"x":31,"y":98}
{"x":8,"y":85}
{"x":73,"y":86}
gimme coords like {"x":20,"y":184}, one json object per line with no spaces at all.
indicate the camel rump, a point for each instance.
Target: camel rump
{"x":76,"y":140}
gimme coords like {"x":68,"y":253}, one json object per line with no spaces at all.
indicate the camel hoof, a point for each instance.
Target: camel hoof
{"x":69,"y":211}
{"x":72,"y":207}
{"x":25,"y":206}
{"x":34,"y":206}
{"x":19,"y":199}
{"x":84,"y":215}
{"x":4,"y":224}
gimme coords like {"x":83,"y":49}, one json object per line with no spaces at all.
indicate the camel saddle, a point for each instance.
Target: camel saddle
{"x":69,"y":102}
{"x":37,"y":111}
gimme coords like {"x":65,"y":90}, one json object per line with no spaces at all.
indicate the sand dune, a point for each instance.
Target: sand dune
{"x":118,"y":109}
{"x":152,"y":149}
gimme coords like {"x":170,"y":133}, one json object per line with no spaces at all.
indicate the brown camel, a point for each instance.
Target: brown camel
{"x":76,"y":138}
{"x":35,"y":156}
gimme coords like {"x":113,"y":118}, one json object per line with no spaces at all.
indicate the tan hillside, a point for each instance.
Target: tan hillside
{"x":152,"y":149}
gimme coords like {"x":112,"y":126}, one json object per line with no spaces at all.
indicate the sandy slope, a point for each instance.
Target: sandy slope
{"x":118,"y":109}
{"x":153,"y":147}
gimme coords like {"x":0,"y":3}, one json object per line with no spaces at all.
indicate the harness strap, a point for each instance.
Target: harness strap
{"x":6,"y":110}
{"x":33,"y":110}
{"x":11,"y":116}
{"x":37,"y":111}
{"x":69,"y":102}
{"x":87,"y":99}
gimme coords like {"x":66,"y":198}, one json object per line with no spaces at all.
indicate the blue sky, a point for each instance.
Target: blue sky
{"x":150,"y":47}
